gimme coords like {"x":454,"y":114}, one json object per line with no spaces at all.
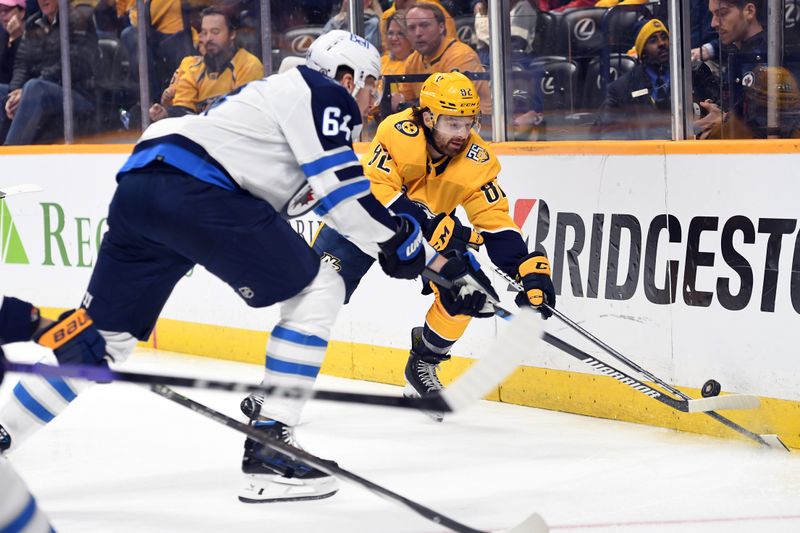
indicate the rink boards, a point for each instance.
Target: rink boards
{"x":683,"y":256}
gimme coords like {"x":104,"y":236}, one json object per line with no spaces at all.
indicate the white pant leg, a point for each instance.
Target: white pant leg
{"x":36,"y":401}
{"x":18,"y":509}
{"x":297,"y":345}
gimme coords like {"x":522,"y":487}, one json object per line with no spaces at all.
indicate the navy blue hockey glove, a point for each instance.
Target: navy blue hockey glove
{"x":445,"y":232}
{"x":403,"y":256}
{"x":534,"y":274}
{"x":19,"y":320}
{"x":74,"y":340}
{"x":471,"y":293}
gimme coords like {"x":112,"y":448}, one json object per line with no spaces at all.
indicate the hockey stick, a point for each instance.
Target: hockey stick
{"x":685,"y":403}
{"x":105,"y":375}
{"x":11,"y":190}
{"x":768,"y":440}
{"x":733,"y":401}
{"x":533,"y":524}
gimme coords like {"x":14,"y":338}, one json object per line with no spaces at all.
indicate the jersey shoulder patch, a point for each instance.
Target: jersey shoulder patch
{"x":477,"y":153}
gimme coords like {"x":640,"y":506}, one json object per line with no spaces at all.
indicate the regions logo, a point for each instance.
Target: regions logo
{"x":11,"y":250}
{"x":477,"y":154}
{"x":407,"y":127}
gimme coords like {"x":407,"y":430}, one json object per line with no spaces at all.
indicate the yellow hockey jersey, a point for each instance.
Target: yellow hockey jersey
{"x":399,"y":167}
{"x":195,"y":88}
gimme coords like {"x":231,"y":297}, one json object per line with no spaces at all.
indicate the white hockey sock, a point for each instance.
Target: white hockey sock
{"x":18,"y":509}
{"x":34,"y":402}
{"x":296,"y":348}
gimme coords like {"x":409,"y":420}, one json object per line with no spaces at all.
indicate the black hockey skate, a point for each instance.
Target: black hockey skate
{"x":421,"y":378}
{"x":5,"y":439}
{"x":273,"y":476}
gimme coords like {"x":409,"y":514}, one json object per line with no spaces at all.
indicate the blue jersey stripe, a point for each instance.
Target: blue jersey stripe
{"x":62,"y":388}
{"x":341,"y":194}
{"x":285,"y":334}
{"x":327,"y":162}
{"x":182,"y":154}
{"x":286,"y":367}
{"x":31,"y":404}
{"x":22,"y":520}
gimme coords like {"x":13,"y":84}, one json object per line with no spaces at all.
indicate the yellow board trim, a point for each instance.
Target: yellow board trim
{"x":760,"y":146}
{"x":556,"y":390}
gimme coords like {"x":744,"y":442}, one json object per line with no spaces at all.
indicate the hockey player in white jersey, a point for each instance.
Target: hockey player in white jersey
{"x":211,"y":189}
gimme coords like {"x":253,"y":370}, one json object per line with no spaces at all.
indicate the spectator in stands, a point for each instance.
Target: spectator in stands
{"x":221,"y":69}
{"x":738,"y":23}
{"x":12,"y":16}
{"x":450,"y":24}
{"x":372,"y":18}
{"x":705,"y":41}
{"x":523,"y":30}
{"x":435,"y":52}
{"x":399,"y":47}
{"x":169,"y":38}
{"x":753,"y":123}
{"x":638,"y":103}
{"x":35,"y":98}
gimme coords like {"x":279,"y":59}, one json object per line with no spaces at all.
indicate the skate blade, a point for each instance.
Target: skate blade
{"x":275,"y":489}
{"x":410,"y":392}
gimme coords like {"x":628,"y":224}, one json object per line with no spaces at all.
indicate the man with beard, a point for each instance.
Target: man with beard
{"x":425,"y":162}
{"x":221,"y":69}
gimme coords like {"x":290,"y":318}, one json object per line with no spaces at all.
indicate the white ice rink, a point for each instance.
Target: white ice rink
{"x":122,"y":459}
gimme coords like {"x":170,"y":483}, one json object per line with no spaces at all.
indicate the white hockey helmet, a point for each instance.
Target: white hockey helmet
{"x":341,"y":48}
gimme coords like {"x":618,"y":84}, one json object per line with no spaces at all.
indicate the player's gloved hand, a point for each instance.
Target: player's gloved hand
{"x":471,"y":293}
{"x":403,"y":256}
{"x":534,"y":274}
{"x":74,"y":339}
{"x":2,"y":365}
{"x":445,"y":232}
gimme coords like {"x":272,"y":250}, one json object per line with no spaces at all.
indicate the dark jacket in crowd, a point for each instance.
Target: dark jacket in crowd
{"x":39,"y":54}
{"x":7,"y":55}
{"x":631,"y":112}
{"x":737,"y":67}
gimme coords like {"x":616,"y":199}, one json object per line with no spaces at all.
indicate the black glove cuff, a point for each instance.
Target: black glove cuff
{"x":19,"y":320}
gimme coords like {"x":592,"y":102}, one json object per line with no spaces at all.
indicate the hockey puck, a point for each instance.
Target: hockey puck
{"x":710,"y":388}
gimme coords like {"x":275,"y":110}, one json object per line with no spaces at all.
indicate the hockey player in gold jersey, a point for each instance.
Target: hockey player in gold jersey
{"x":425,"y":162}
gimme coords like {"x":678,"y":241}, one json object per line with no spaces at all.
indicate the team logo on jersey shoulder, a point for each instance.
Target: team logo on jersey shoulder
{"x":301,"y":203}
{"x":407,"y":127}
{"x":477,"y":154}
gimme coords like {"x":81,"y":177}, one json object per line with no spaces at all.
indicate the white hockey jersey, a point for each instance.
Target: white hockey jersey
{"x":287,"y":139}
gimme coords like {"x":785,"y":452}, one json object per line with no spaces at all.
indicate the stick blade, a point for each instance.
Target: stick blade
{"x":517,"y":340}
{"x":721,"y":403}
{"x":775,"y":442}
{"x":19,"y":189}
{"x":533,"y":524}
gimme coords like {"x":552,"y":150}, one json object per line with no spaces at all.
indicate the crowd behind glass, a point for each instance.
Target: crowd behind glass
{"x":573,"y":69}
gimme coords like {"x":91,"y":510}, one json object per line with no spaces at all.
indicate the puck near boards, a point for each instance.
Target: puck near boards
{"x":710,"y":388}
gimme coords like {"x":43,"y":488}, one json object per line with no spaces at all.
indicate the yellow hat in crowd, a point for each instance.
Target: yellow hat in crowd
{"x":652,"y":26}
{"x":612,"y":3}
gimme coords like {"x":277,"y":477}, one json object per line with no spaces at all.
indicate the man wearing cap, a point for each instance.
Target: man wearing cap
{"x":638,"y":103}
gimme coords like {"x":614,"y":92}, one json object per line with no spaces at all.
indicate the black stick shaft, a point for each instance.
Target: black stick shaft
{"x":105,"y":375}
{"x":300,"y":455}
